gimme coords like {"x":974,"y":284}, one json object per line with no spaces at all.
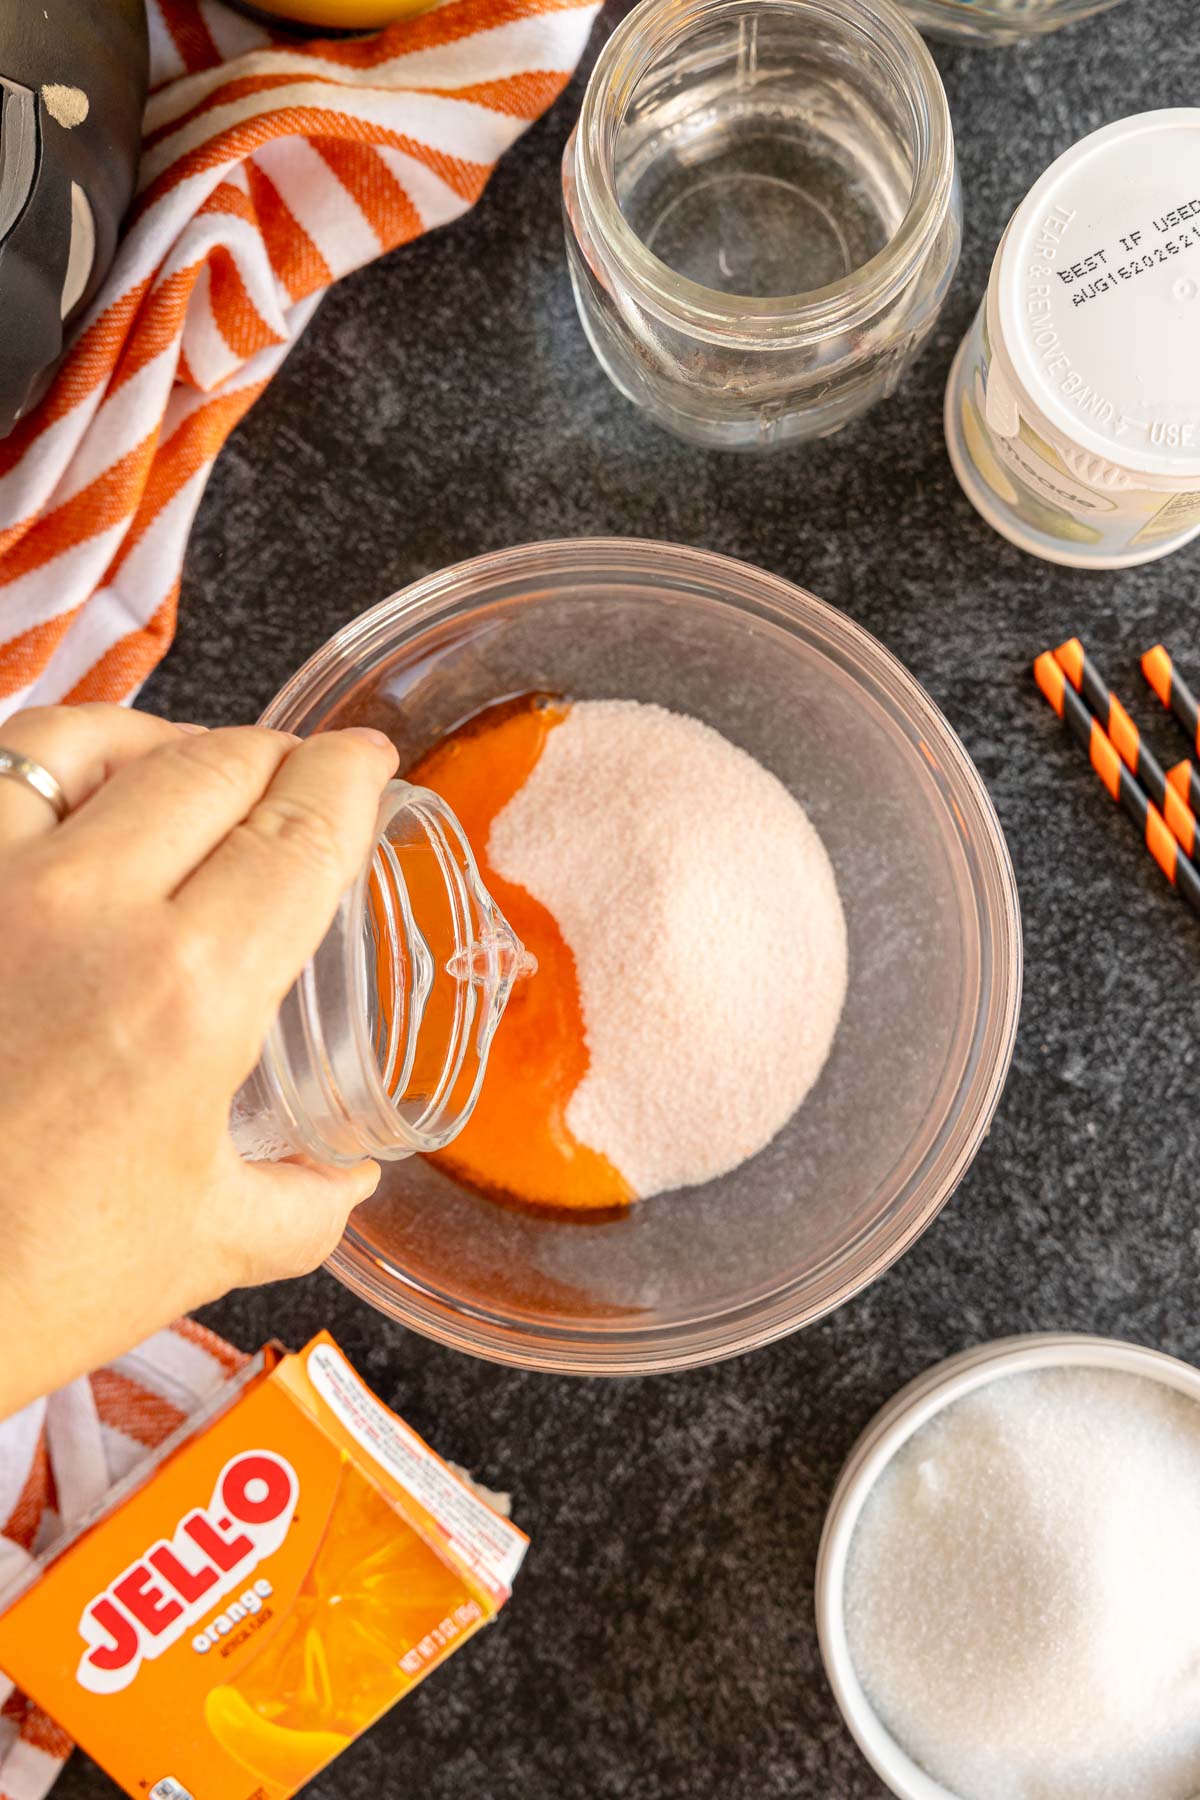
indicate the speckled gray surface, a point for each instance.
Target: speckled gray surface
{"x":660,"y":1645}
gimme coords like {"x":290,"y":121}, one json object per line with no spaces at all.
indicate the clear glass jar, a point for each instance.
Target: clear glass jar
{"x":380,"y":1047}
{"x":999,"y":21}
{"x":762,"y":213}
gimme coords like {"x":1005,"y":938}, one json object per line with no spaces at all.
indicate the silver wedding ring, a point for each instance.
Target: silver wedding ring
{"x":23,"y":768}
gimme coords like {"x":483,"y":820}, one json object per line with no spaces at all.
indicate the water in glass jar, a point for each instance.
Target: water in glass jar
{"x":765,"y":159}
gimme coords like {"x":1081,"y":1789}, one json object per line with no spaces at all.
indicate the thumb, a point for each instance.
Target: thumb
{"x":290,"y":1215}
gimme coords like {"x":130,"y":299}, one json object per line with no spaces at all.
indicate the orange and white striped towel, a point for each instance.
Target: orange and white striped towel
{"x":270,"y":168}
{"x":58,"y":1457}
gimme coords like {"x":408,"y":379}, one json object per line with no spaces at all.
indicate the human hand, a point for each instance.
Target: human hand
{"x":145,"y":945}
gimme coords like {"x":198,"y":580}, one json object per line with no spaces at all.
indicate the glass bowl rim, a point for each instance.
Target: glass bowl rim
{"x":459,"y":589}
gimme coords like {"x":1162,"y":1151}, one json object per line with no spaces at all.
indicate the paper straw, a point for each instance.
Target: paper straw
{"x":1090,"y":734}
{"x":1186,"y":782}
{"x":1173,"y":691}
{"x":1137,"y":756}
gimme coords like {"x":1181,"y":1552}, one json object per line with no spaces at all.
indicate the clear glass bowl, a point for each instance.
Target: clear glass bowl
{"x":935,"y":955}
{"x":998,"y":21}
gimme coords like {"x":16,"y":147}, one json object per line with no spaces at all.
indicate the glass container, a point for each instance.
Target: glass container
{"x":380,"y":1047}
{"x":762,"y":215}
{"x":999,"y":21}
{"x":931,"y":908}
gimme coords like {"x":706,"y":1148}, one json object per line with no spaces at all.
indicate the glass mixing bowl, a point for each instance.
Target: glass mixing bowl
{"x":924,"y":1043}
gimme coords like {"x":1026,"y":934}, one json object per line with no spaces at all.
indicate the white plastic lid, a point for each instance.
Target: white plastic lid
{"x":1095,"y":299}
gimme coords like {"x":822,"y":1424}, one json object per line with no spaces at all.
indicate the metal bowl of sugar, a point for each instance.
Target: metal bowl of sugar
{"x":926,"y":1034}
{"x":1006,"y":1582}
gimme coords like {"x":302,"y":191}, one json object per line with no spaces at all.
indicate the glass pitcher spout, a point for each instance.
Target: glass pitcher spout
{"x":495,"y":961}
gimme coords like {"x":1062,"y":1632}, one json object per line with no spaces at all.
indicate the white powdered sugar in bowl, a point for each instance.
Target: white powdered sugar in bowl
{"x":702,"y":912}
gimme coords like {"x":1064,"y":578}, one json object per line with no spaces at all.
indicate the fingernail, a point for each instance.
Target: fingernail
{"x":379,"y":738}
{"x":180,"y":726}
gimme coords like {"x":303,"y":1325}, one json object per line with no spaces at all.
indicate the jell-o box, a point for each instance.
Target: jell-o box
{"x":284,"y":1569}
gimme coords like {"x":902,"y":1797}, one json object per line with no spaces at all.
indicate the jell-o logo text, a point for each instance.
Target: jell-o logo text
{"x":149,"y":1605}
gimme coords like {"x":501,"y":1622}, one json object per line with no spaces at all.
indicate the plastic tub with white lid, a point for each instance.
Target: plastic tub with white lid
{"x":893,"y":1427}
{"x":1073,"y":407}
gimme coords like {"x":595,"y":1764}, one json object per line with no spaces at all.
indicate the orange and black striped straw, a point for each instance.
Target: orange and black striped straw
{"x":1126,"y":740}
{"x":1184,"y":779}
{"x":1178,"y":868}
{"x":1173,"y":691}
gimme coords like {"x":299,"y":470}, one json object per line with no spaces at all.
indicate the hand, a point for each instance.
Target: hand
{"x":145,"y":945}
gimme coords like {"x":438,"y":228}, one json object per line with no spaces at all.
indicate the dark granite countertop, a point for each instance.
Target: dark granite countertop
{"x":660,"y":1645}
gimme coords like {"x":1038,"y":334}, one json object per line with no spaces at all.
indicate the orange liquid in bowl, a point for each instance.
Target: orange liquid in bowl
{"x":517,"y":1144}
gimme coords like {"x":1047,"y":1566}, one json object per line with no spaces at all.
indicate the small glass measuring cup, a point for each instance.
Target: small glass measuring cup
{"x":762,"y":213}
{"x":380,"y":1047}
{"x":999,"y":21}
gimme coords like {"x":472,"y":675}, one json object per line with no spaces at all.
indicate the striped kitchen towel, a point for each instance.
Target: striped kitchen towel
{"x":270,"y":168}
{"x":58,"y":1457}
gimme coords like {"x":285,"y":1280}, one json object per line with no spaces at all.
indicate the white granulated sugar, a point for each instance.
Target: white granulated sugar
{"x":1023,"y":1591}
{"x":704,"y":919}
